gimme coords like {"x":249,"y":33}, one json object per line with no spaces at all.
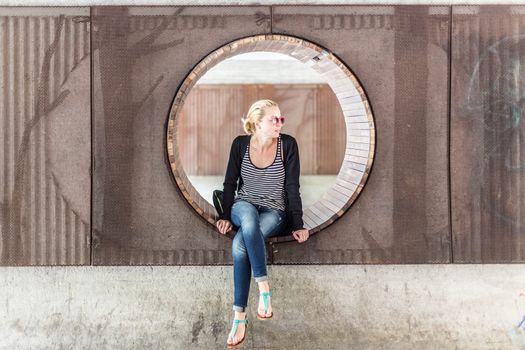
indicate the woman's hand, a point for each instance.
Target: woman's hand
{"x":301,"y":235}
{"x":224,"y":226}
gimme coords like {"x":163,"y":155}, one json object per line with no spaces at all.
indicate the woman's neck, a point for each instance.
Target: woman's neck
{"x":262,"y":143}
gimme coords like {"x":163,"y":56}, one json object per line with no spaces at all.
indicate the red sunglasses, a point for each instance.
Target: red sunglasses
{"x":274,"y":120}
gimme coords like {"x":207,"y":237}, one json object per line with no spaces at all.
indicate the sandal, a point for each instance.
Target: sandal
{"x":265,"y":296}
{"x":234,"y":330}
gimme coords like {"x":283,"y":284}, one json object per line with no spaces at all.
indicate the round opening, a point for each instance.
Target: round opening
{"x":326,"y":110}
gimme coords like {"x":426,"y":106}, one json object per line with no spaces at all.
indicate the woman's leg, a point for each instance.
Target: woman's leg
{"x":242,"y":272}
{"x":241,"y":281}
{"x":246,"y":216}
{"x":272,"y":223}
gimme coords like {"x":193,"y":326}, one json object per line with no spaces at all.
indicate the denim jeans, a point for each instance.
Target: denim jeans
{"x":256,"y":223}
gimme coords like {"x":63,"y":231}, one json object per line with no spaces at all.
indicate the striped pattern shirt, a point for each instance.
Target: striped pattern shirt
{"x":263,"y":186}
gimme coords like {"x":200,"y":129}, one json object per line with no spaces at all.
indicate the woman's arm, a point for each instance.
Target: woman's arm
{"x":293,"y":170}
{"x":230,"y":180}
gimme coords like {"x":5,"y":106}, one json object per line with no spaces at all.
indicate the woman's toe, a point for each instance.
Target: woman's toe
{"x":269,"y":310}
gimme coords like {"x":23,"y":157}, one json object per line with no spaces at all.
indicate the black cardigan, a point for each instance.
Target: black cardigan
{"x":294,"y":211}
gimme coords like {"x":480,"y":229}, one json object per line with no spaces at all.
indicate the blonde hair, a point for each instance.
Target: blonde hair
{"x":255,"y":114}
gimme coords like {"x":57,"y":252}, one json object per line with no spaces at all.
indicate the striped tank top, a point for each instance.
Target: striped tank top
{"x":263,"y":186}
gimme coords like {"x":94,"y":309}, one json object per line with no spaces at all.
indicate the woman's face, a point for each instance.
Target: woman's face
{"x":270,"y":125}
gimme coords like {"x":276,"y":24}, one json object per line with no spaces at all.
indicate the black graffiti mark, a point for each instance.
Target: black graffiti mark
{"x":496,"y":97}
{"x":508,"y":103}
{"x":494,"y":104}
{"x":81,"y":19}
{"x":261,"y":18}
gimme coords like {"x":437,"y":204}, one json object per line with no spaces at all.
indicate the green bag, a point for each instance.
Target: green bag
{"x":217,"y":202}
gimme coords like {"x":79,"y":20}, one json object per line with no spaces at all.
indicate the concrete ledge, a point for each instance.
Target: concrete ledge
{"x":249,"y":3}
{"x":316,"y":307}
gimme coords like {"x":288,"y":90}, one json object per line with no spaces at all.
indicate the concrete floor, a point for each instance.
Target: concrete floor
{"x":316,"y":307}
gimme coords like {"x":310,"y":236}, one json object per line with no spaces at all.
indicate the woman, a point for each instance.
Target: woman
{"x":266,"y":164}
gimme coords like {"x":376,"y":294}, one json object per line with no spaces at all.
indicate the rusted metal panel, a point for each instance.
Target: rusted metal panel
{"x":141,"y":55}
{"x":488,"y":52}
{"x":400,"y":54}
{"x":45,"y":144}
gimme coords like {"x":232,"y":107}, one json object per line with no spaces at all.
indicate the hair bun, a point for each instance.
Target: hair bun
{"x":255,"y":114}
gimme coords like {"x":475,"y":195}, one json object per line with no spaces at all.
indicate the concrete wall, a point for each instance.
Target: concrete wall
{"x":315,"y":307}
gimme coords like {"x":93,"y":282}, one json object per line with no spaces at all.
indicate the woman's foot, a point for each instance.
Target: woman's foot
{"x":241,"y":329}
{"x":264,"y":287}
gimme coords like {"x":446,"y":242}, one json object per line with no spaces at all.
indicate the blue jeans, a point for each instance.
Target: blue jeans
{"x":256,"y":223}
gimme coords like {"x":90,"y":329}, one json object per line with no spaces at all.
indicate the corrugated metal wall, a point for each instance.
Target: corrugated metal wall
{"x":44,"y":61}
{"x":488,"y":103}
{"x":444,"y":83}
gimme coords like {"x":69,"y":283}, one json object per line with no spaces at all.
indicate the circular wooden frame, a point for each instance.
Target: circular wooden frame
{"x":359,"y":120}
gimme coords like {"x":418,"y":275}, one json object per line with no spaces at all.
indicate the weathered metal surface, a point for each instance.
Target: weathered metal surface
{"x":400,"y":55}
{"x":488,"y":55}
{"x":45,"y":134}
{"x":141,"y":56}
